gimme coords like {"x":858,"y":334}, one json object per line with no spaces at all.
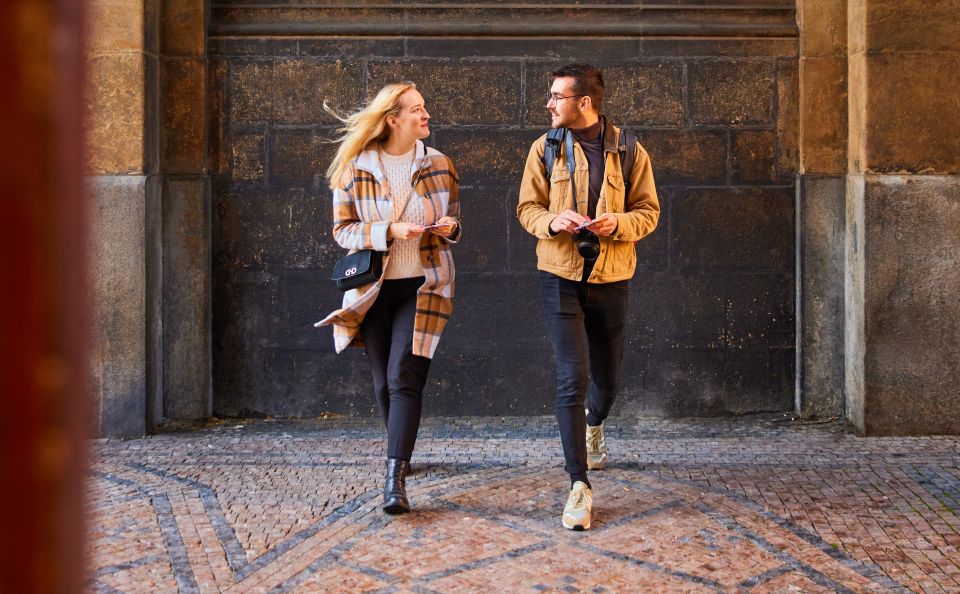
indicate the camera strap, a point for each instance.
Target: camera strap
{"x":571,"y":164}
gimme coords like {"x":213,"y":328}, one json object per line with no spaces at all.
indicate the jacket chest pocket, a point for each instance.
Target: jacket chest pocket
{"x":560,"y":190}
{"x":614,"y":194}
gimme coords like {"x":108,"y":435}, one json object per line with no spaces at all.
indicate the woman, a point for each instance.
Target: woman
{"x":394,"y":195}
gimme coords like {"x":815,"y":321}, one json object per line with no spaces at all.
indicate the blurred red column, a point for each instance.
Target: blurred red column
{"x":43,"y":311}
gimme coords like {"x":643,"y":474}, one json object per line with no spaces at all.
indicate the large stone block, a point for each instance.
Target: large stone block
{"x":686,"y":156}
{"x":293,"y":91}
{"x":300,"y":157}
{"x":386,"y":47}
{"x":182,"y":27}
{"x":304,"y":298}
{"x":670,"y":311}
{"x":118,"y":278}
{"x":114,"y":102}
{"x":644,"y":93}
{"x":746,"y":47}
{"x":820,"y":339}
{"x":912,"y":25}
{"x":217,"y":117}
{"x":458,"y":92}
{"x":508,"y":381}
{"x":186,"y":299}
{"x":823,"y":97}
{"x":313,"y":383}
{"x":244,"y":309}
{"x":182,"y":137}
{"x":711,"y":311}
{"x":706,"y":382}
{"x":115,"y":26}
{"x":742,"y":230}
{"x":823,"y":27}
{"x":599,"y":49}
{"x":488,"y":305}
{"x":854,"y":340}
{"x":247,"y":157}
{"x":290,"y":229}
{"x":754,"y":157}
{"x":487,"y":215}
{"x":153,"y":225}
{"x":911,"y":313}
{"x":486,"y":157}
{"x":913,"y":135}
{"x":788,"y":117}
{"x":732,"y":92}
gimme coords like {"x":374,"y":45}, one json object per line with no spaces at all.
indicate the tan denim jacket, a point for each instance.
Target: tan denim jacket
{"x":541,"y":202}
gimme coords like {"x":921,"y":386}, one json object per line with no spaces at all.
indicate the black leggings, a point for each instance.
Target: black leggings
{"x":398,"y":375}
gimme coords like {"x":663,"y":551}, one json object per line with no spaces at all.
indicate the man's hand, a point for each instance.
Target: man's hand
{"x":568,"y":220}
{"x":604,"y":225}
{"x":449,"y":226}
{"x":404,"y":231}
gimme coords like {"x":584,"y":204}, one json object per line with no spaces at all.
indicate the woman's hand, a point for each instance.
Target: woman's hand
{"x":404,"y":231}
{"x":449,"y":225}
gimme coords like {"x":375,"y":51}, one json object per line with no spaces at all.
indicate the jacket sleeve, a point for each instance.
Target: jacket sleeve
{"x":642,"y":208}
{"x":453,"y":203}
{"x":349,"y":230}
{"x":533,"y":208}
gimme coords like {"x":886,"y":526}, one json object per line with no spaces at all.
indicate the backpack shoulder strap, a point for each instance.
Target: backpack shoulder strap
{"x":628,"y":154}
{"x":550,"y":149}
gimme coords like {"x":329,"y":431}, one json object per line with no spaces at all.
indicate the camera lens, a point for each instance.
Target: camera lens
{"x":588,"y":245}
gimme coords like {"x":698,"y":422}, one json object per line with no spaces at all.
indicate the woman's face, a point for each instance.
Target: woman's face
{"x":412,"y":123}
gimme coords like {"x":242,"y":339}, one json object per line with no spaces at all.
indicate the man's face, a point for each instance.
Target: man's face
{"x":413,"y":120}
{"x":564,"y":104}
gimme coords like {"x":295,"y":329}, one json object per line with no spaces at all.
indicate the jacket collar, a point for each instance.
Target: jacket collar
{"x":369,"y":159}
{"x":610,"y":136}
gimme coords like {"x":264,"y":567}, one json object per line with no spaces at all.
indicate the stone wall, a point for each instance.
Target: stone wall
{"x":903,"y":218}
{"x":149,"y":223}
{"x":712,"y":92}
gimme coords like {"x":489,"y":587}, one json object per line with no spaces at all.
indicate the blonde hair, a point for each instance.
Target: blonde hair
{"x":364,"y":126}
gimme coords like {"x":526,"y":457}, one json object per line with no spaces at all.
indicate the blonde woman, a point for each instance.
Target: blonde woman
{"x":394,"y":195}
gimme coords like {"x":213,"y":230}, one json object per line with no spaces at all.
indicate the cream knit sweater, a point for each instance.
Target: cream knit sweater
{"x":404,"y":261}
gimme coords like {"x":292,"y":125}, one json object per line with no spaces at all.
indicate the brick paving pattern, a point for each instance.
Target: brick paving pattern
{"x":728,"y":505}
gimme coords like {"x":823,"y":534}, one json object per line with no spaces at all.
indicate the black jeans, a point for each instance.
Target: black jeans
{"x":398,"y":375}
{"x":586,"y":323}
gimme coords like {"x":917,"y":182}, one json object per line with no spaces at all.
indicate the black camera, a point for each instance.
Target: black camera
{"x":588,"y":244}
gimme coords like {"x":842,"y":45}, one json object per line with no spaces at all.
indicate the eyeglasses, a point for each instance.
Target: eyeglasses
{"x":558,"y":98}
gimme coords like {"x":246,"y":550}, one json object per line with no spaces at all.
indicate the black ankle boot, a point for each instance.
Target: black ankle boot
{"x":395,"y":489}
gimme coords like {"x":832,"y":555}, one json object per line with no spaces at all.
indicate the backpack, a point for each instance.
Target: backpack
{"x":627,"y":141}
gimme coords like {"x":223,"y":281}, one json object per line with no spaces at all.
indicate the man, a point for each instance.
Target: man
{"x":584,"y":272}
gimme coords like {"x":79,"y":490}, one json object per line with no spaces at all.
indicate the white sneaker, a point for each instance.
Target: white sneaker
{"x":576,"y":513}
{"x":596,"y":448}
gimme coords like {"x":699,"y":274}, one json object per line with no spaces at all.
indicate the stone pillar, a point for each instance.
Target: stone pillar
{"x":121,"y":156}
{"x":146,"y":105}
{"x":185,"y":353}
{"x":820,"y":207}
{"x":903,"y":218}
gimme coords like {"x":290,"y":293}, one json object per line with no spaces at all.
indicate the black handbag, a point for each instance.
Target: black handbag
{"x":357,"y":269}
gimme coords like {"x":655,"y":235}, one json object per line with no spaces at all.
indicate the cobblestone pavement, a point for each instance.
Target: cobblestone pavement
{"x":745,"y":505}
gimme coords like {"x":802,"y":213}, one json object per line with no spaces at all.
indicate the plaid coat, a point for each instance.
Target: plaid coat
{"x":361,"y":214}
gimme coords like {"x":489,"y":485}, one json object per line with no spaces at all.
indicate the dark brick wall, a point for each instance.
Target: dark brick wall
{"x":711,"y":329}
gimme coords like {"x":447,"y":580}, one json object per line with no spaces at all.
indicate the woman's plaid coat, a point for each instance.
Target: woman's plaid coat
{"x":361,"y":214}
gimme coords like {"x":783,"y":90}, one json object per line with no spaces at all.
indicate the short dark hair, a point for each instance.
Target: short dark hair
{"x":587,"y":80}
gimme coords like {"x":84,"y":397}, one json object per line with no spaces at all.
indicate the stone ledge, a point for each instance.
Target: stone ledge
{"x":470,"y":20}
